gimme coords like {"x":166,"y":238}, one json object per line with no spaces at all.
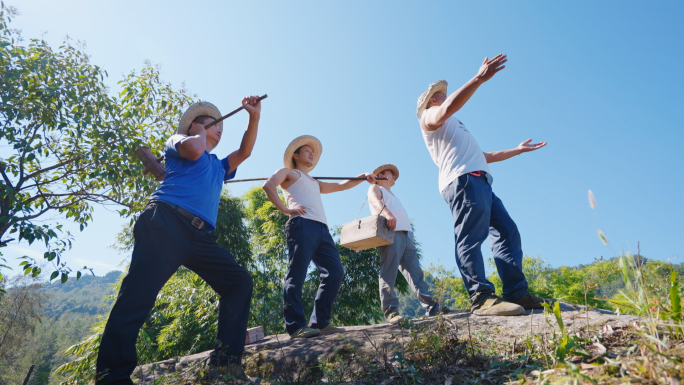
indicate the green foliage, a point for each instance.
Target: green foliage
{"x":269,"y":260}
{"x":19,"y":314}
{"x":65,"y":316}
{"x":358,"y":301}
{"x":71,"y":141}
{"x":565,"y":344}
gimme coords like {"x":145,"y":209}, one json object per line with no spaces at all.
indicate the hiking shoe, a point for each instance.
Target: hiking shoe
{"x":330,"y":329}
{"x":493,"y":305}
{"x":305,"y":332}
{"x":394,"y":318}
{"x":437,"y":309}
{"x":531,"y":301}
{"x":228,"y":372}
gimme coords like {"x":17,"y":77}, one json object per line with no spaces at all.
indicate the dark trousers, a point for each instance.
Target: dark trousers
{"x":309,"y":241}
{"x":164,"y":240}
{"x":479,"y":213}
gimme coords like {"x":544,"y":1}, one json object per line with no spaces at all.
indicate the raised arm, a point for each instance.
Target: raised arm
{"x":434,"y":117}
{"x":253,"y":107}
{"x":525,"y":146}
{"x":375,"y":200}
{"x":271,"y":189}
{"x":329,"y":187}
{"x":195,"y":144}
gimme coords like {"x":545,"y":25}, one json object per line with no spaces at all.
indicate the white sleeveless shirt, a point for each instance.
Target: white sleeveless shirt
{"x":455,"y":151}
{"x":394,"y":206}
{"x":306,"y":193}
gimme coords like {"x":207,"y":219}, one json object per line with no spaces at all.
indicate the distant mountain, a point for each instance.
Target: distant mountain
{"x":80,"y":296}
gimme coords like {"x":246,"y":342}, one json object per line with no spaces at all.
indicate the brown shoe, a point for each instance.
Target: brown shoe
{"x":493,"y":305}
{"x":305,"y":332}
{"x":330,"y":329}
{"x":530,"y":301}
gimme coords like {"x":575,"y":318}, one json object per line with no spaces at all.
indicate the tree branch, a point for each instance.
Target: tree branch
{"x":60,"y":164}
{"x":23,"y":155}
{"x":4,"y":175}
{"x":85,"y":196}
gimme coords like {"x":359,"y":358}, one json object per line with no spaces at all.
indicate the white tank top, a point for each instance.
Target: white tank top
{"x":306,"y":193}
{"x":455,"y":151}
{"x":394,"y":206}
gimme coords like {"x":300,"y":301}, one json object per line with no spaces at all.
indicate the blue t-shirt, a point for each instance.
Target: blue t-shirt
{"x":193,"y":185}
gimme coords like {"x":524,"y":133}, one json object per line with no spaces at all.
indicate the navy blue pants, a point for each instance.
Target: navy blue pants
{"x":309,"y":241}
{"x":479,"y":213}
{"x":164,"y":240}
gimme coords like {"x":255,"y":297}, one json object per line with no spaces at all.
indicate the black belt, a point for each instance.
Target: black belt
{"x":194,"y":220}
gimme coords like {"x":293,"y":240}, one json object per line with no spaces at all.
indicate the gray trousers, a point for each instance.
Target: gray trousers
{"x":402,"y":255}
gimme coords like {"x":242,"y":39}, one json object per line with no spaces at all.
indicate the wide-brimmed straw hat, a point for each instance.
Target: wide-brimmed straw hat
{"x":439,"y":85}
{"x":391,"y":167}
{"x":304,"y":140}
{"x":195,"y":110}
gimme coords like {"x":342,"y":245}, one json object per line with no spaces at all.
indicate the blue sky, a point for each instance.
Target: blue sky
{"x":599,"y":81}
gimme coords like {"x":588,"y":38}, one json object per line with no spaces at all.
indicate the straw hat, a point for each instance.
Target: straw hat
{"x":195,"y":110}
{"x":304,"y":140}
{"x":391,"y":167}
{"x":439,"y":85}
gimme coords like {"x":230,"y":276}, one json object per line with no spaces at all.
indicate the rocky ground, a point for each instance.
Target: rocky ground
{"x":357,"y":346}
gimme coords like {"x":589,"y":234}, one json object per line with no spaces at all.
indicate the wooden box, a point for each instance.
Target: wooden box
{"x":254,"y":335}
{"x":366,"y":233}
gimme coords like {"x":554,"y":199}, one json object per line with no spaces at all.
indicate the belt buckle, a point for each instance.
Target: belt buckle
{"x":197,"y":223}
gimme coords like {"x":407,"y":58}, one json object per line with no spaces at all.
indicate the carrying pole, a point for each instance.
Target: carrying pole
{"x":315,"y":177}
{"x":228,"y":115}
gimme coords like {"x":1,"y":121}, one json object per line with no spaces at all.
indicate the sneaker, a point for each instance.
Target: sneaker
{"x":493,"y":305}
{"x":305,"y":332}
{"x":531,"y":301}
{"x":330,"y":329}
{"x":228,"y":372}
{"x":394,"y":318}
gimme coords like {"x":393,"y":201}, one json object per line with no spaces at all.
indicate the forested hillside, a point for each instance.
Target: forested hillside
{"x":39,"y":320}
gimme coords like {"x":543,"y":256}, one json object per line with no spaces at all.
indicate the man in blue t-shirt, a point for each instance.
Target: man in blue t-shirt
{"x":174,"y":230}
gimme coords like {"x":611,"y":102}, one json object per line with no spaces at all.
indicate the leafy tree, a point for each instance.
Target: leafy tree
{"x":72,"y":142}
{"x":19,"y":313}
{"x":269,"y":260}
{"x":538,"y":273}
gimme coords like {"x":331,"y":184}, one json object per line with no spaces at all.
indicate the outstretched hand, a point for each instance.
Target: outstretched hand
{"x":526,"y":146}
{"x":252,"y":104}
{"x":369,"y":177}
{"x":490,"y":67}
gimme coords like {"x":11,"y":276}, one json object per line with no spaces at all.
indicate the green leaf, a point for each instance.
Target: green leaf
{"x":64,"y":277}
{"x":54,"y":275}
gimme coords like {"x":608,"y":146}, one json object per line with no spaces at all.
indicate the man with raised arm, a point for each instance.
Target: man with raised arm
{"x":401,"y":254}
{"x":308,"y":236}
{"x":176,"y":229}
{"x":465,"y":184}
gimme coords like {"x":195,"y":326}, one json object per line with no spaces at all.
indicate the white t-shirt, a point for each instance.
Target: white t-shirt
{"x":395,"y":207}
{"x":306,"y":192}
{"x":455,"y":151}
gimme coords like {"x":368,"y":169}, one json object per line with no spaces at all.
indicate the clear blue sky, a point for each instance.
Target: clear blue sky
{"x":601,"y":82}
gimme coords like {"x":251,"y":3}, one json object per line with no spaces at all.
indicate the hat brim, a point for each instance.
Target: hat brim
{"x":304,"y":140}
{"x":195,"y":110}
{"x":424,"y":99}
{"x":391,"y":167}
